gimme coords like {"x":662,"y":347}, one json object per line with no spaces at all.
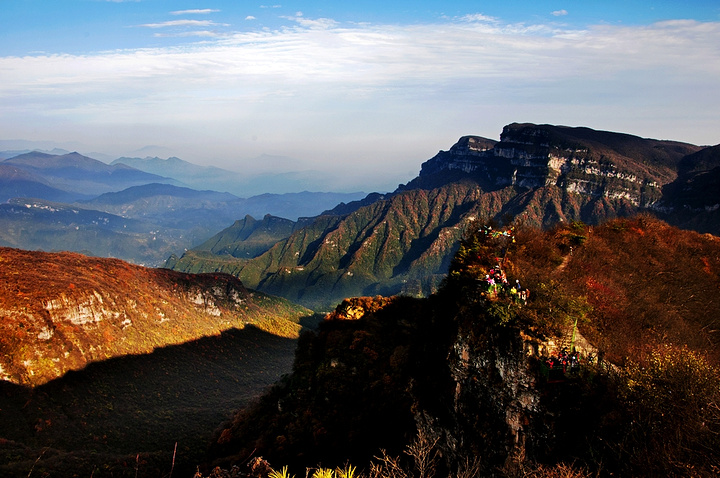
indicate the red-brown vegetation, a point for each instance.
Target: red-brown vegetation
{"x":60,"y":311}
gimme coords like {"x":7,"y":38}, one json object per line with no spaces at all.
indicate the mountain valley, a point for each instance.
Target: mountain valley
{"x":540,"y":174}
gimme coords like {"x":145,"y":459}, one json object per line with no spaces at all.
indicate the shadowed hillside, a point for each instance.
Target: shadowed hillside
{"x":61,"y":311}
{"x":126,"y":414}
{"x":482,"y":372}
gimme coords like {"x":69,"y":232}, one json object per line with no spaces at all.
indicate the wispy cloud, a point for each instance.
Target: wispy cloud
{"x":560,"y":13}
{"x":203,"y":11}
{"x":198,"y":33}
{"x":317,"y":23}
{"x":250,"y":17}
{"x":183,"y":23}
{"x":479,"y":17}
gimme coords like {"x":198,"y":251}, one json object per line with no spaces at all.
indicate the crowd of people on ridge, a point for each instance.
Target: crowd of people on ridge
{"x":496,"y":284}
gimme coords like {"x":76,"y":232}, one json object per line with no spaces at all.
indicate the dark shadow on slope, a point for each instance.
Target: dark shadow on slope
{"x":121,"y":413}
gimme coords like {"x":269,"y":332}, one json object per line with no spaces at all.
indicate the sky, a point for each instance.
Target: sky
{"x":364,"y":91}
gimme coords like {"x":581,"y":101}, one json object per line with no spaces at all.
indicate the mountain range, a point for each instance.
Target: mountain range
{"x":537,"y":175}
{"x":71,"y":202}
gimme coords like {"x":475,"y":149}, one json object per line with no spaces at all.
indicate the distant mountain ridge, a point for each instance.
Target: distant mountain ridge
{"x":241,"y":184}
{"x":402,"y":242}
{"x":74,"y":172}
{"x":158,"y":217}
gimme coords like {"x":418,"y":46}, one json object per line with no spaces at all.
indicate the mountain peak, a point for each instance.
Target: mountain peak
{"x":576,"y":159}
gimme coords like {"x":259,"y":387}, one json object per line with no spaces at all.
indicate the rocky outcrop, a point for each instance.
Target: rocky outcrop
{"x":576,"y":160}
{"x":468,"y":368}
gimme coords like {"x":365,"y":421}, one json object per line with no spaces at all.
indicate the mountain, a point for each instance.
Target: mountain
{"x":398,"y":245}
{"x":142,"y":224}
{"x":245,"y":184}
{"x":189,"y":174}
{"x":198,"y":213}
{"x":249,"y":237}
{"x":36,"y":224}
{"x":692,"y":201}
{"x":403,"y":242}
{"x":109,"y":369}
{"x":63,"y":311}
{"x":471,"y":380}
{"x":17,"y":182}
{"x":576,"y":160}
{"x":79,"y":174}
{"x":13,"y":153}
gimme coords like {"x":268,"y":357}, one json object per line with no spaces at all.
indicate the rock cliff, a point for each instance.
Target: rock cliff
{"x":576,"y":160}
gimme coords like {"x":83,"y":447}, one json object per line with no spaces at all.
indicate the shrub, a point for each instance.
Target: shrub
{"x":671,"y":398}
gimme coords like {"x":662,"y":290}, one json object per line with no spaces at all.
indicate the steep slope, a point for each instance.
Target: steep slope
{"x":467,"y":368}
{"x":403,"y":242}
{"x":248,"y":238}
{"x":60,"y":312}
{"x":692,"y":201}
{"x":123,"y":417}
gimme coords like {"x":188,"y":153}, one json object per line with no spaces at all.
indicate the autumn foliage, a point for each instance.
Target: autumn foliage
{"x":643,"y":293}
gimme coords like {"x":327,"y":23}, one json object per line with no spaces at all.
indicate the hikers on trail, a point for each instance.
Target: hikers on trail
{"x":496,"y":284}
{"x":488,"y":230}
{"x":560,"y":363}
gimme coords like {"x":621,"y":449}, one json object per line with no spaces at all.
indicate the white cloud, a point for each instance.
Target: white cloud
{"x":318,"y":23}
{"x":198,"y":11}
{"x":183,"y":23}
{"x":560,"y":13}
{"x":321,"y":90}
{"x":479,"y":17}
{"x":197,"y":33}
{"x":250,"y":17}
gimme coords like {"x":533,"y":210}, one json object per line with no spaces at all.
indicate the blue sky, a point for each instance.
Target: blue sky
{"x":363,"y":90}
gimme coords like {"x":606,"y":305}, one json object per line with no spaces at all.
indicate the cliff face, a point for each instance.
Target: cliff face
{"x":59,"y":312}
{"x":576,"y":160}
